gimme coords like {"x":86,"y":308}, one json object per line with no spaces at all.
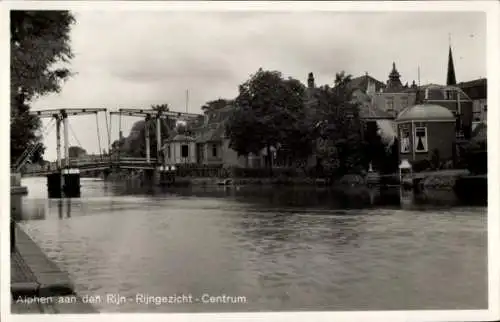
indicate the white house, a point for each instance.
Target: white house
{"x":180,"y":149}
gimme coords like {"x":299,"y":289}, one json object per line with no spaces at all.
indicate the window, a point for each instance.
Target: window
{"x":420,"y":139}
{"x":390,"y":105}
{"x":214,"y":150}
{"x":404,"y":102}
{"x":448,"y":95}
{"x":426,"y":93}
{"x":405,"y":140}
{"x":168,"y":152}
{"x":485,"y":107}
{"x":184,"y":151}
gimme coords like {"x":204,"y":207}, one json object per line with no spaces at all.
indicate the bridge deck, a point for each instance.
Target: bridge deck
{"x":87,"y":165}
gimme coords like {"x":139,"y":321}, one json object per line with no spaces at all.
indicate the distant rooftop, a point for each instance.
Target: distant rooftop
{"x":423,"y":112}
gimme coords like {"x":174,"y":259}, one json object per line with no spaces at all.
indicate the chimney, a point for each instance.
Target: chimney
{"x":370,"y":87}
{"x":310,"y":81}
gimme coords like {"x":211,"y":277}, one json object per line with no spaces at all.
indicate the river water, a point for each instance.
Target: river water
{"x":265,"y":249}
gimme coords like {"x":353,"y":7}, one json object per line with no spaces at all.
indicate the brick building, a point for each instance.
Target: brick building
{"x":426,"y":130}
{"x":477,"y":92}
{"x":395,"y":96}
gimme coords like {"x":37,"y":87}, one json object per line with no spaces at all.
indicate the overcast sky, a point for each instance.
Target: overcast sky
{"x":135,"y":59}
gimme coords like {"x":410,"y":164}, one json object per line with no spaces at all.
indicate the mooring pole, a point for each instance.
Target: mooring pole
{"x":146,"y":128}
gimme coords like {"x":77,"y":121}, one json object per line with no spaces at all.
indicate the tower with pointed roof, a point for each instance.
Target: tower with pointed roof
{"x":450,"y":76}
{"x":395,"y":97}
{"x":394,"y":83}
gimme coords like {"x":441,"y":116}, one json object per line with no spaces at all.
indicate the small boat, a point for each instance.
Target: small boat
{"x":225,"y":182}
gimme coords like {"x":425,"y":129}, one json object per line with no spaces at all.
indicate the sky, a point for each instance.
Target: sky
{"x":136,"y":59}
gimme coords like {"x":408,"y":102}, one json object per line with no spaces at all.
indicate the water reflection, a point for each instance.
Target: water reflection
{"x":299,"y":199}
{"x":37,"y":209}
{"x":64,"y":208}
{"x":285,"y":248}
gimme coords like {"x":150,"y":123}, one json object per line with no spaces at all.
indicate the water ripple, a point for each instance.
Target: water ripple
{"x":278,"y":257}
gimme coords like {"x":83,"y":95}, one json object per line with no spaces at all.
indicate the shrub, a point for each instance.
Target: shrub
{"x":476,"y":157}
{"x":422,"y":165}
{"x":435,"y":160}
{"x":238,"y":172}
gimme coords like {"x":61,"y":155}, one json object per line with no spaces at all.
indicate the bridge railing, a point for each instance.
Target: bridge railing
{"x":93,"y":161}
{"x":106,"y":160}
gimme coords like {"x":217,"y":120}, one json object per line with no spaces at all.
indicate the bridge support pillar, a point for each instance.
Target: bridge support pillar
{"x":148,"y":177}
{"x":65,"y":184}
{"x":54,"y":185}
{"x":71,"y":179}
{"x":165,"y":175}
{"x":106,"y":174}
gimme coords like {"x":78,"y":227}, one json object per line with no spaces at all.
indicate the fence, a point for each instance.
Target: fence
{"x":196,"y":170}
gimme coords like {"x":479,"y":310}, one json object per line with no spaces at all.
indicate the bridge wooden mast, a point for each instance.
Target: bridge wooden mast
{"x":148,"y":114}
{"x":64,"y":182}
{"x":61,"y":115}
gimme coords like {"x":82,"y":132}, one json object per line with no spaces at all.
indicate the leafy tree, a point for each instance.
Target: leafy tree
{"x":476,"y":154}
{"x":39,"y":42}
{"x":340,"y":143}
{"x":135,"y":144}
{"x":240,"y":125}
{"x":267,"y":111}
{"x":383,"y":156}
{"x":24,"y":133}
{"x":76,"y":151}
{"x":216,"y":104}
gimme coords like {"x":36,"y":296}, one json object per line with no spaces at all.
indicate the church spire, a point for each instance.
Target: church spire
{"x":394,"y":83}
{"x":450,"y":77}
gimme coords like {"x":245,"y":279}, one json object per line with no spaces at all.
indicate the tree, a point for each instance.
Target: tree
{"x":24,"y":133}
{"x":76,"y":151}
{"x":383,"y":155}
{"x":267,"y":110}
{"x":216,"y":104}
{"x":135,"y":144}
{"x":39,"y":42}
{"x":340,"y":143}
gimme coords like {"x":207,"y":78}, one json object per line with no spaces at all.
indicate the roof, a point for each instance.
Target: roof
{"x":425,"y":112}
{"x":371,"y":112}
{"x":210,"y":133}
{"x":475,"y":89}
{"x":473,"y":83}
{"x":455,"y":88}
{"x":361,"y":82}
{"x":180,"y":137}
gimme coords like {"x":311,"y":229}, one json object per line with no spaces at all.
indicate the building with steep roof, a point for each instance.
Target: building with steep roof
{"x":212,"y":145}
{"x":180,"y":149}
{"x":395,"y":96}
{"x":367,"y":84}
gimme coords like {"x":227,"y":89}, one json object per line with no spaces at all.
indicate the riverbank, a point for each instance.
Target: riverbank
{"x":38,"y":285}
{"x":442,"y":179}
